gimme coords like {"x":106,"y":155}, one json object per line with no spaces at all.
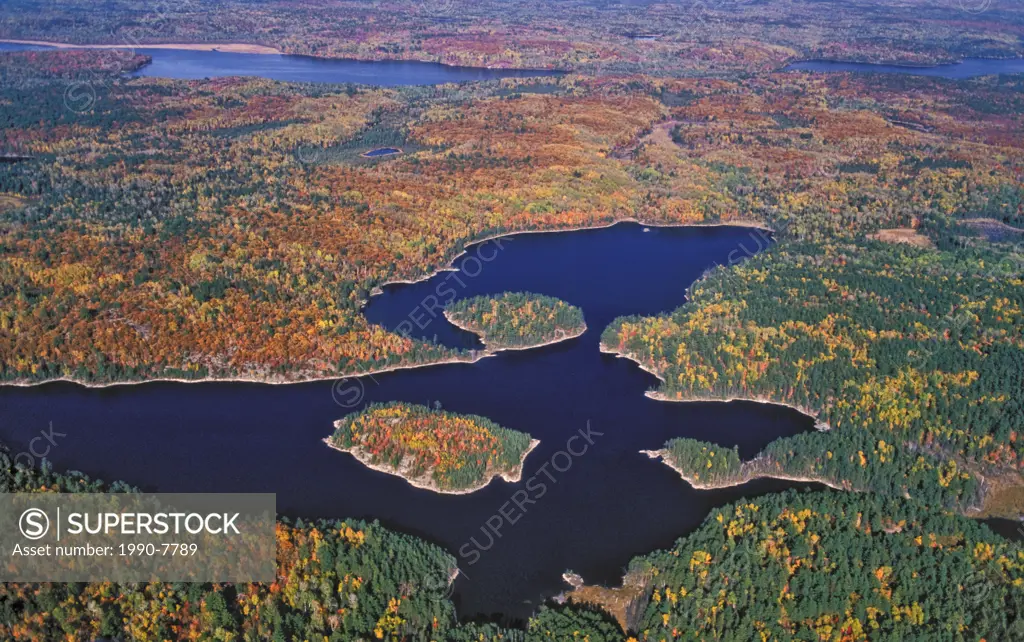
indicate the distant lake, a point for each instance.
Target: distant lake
{"x":193,"y":65}
{"x":969,"y":68}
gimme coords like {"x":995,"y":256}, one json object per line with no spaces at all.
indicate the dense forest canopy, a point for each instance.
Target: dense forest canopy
{"x":832,"y":566}
{"x":912,"y":360}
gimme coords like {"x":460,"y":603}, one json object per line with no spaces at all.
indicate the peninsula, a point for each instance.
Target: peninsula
{"x":707,"y":466}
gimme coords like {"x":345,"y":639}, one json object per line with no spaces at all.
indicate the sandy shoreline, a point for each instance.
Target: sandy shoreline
{"x":377,"y":290}
{"x":746,"y":476}
{"x":426,"y":482}
{"x":229,"y":47}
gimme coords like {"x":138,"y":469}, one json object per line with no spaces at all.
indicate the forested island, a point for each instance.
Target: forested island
{"x":433,"y":449}
{"x":517,"y":320}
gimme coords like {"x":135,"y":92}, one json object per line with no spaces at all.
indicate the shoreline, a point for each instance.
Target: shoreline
{"x":374,"y":292}
{"x":228,"y":47}
{"x":268,"y":382}
{"x":512,"y":348}
{"x":745,"y":478}
{"x":513,"y":477}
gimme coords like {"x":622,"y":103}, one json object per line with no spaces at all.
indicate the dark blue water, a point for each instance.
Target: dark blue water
{"x":607,"y":505}
{"x":192,"y":65}
{"x":969,"y":68}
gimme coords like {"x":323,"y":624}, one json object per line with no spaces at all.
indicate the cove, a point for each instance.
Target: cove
{"x":186,"y":64}
{"x":602,"y":507}
{"x":968,"y":68}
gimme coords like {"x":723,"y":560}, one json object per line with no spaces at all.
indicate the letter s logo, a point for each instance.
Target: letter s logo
{"x":34,"y":524}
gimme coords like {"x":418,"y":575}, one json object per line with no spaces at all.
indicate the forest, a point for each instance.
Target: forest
{"x":832,"y":566}
{"x":517,"y":320}
{"x":690,"y":37}
{"x":430,"y":447}
{"x":703,"y":463}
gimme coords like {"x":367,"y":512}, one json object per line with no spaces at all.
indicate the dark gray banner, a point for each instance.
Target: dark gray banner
{"x":130,"y":537}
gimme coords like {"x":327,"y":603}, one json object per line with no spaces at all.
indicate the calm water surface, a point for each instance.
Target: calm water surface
{"x":610,"y":504}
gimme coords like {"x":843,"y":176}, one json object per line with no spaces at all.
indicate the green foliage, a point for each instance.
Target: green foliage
{"x":831,"y":566}
{"x":706,"y":462}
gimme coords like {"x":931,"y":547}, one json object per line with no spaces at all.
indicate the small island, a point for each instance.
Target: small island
{"x":517,"y":320}
{"x":440,"y":451}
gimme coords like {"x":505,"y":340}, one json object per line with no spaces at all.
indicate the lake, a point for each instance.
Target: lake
{"x":969,"y":68}
{"x":609,"y":504}
{"x":192,"y":65}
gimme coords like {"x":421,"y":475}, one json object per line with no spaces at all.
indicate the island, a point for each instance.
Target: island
{"x":433,"y":449}
{"x":517,"y":320}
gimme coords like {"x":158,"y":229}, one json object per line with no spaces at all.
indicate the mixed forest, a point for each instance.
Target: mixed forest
{"x":432,"y":448}
{"x":831,"y":566}
{"x":517,"y":320}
